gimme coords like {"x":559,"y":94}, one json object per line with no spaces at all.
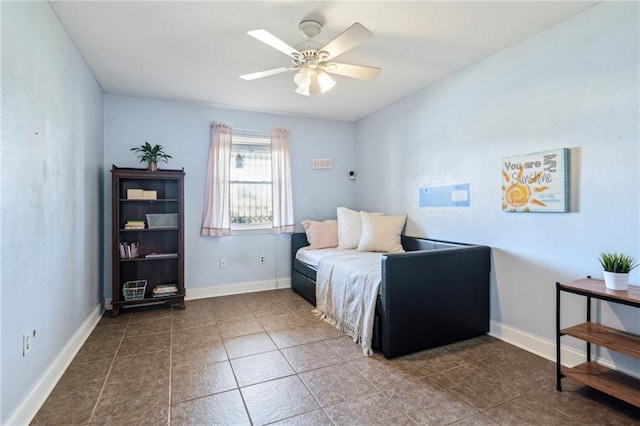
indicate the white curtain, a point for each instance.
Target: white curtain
{"x":215,"y":216}
{"x":281,"y":174}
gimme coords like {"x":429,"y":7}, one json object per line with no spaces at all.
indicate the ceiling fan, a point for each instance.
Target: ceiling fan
{"x":312,"y":60}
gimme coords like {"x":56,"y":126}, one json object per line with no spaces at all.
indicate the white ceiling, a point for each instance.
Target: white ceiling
{"x":195,"y":51}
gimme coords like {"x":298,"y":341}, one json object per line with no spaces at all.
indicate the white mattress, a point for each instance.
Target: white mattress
{"x":312,"y":256}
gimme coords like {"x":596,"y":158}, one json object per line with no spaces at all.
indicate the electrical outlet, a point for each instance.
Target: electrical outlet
{"x":26,"y":341}
{"x":261,"y":259}
{"x":223,"y":262}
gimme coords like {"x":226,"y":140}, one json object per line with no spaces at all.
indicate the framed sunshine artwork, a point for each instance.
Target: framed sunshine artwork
{"x":536,"y":182}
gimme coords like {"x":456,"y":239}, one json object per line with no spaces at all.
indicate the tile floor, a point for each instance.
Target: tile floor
{"x":264,"y":358}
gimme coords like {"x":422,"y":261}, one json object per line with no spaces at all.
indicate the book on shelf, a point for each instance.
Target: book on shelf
{"x":165,"y":290}
{"x":134,"y":224}
{"x":173,"y":293}
{"x":129,"y":250}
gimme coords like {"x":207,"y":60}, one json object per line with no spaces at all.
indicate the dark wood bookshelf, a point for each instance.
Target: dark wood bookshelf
{"x":590,"y":373}
{"x":169,"y":187}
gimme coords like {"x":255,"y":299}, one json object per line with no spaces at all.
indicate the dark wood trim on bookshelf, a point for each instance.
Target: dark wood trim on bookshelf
{"x":168,"y":269}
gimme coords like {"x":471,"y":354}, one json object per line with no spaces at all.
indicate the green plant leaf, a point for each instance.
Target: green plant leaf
{"x":617,"y":262}
{"x":150,"y":154}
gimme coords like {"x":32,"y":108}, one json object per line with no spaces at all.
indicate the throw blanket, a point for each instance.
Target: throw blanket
{"x":346,"y":289}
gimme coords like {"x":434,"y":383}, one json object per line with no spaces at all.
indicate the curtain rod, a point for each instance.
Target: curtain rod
{"x":251,"y":131}
{"x":259,"y":132}
{"x":248,"y":131}
{"x":239,"y":129}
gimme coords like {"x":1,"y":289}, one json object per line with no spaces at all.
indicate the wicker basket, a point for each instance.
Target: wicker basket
{"x":134,"y":290}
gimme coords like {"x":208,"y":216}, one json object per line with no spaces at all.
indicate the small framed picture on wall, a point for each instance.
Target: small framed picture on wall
{"x":537,"y":182}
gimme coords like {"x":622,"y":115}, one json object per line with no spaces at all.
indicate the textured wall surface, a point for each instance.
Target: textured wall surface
{"x":52,"y":208}
{"x":572,"y":86}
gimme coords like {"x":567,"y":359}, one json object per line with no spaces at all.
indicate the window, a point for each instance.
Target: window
{"x":250,"y":183}
{"x":249,"y":179}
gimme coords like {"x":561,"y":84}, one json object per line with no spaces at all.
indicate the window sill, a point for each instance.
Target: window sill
{"x":251,"y":230}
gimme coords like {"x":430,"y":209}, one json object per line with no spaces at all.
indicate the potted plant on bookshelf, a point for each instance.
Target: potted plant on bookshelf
{"x":616,"y":268}
{"x":151,"y":155}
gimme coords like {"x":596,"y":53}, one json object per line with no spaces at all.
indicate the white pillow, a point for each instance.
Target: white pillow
{"x":381,"y":233}
{"x":321,"y":234}
{"x":349,"y":228}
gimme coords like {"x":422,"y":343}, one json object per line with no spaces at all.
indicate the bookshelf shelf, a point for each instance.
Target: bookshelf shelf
{"x":148,"y":259}
{"x":165,"y":228}
{"x":167,"y":200}
{"x":167,"y":241}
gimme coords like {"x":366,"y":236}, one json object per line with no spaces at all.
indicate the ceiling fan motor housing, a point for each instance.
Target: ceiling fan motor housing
{"x":310,"y":58}
{"x":309,"y":29}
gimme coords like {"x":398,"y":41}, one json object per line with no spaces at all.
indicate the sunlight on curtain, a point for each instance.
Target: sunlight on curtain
{"x":281,"y":168}
{"x":215,"y":216}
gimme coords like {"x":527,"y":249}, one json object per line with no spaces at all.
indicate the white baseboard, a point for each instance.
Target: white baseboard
{"x":228,"y":289}
{"x":547,"y":348}
{"x":538,"y":345}
{"x":29,"y":406}
{"x":237,"y":288}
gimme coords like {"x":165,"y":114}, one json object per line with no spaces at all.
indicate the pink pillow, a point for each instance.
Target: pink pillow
{"x":321,"y":234}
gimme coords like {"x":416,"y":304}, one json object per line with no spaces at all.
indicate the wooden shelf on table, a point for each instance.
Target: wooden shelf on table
{"x":601,"y":335}
{"x":604,"y":379}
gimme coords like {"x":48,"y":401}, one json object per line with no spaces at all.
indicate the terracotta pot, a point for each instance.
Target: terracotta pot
{"x":616,"y":281}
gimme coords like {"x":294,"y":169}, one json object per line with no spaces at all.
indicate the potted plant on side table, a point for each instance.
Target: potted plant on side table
{"x":616,"y":268}
{"x":151,"y":155}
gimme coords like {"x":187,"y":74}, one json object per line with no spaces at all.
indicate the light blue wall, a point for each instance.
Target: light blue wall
{"x":575,"y":85}
{"x":52,"y":205}
{"x":183,"y":130}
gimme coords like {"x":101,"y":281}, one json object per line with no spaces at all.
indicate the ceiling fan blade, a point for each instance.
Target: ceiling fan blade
{"x":354,"y":71}
{"x":267,"y":38}
{"x":346,"y":40}
{"x":266,"y":73}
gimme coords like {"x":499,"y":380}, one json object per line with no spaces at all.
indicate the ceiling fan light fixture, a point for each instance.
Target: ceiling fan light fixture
{"x":325,"y":82}
{"x":304,"y":91}
{"x":303,"y":78}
